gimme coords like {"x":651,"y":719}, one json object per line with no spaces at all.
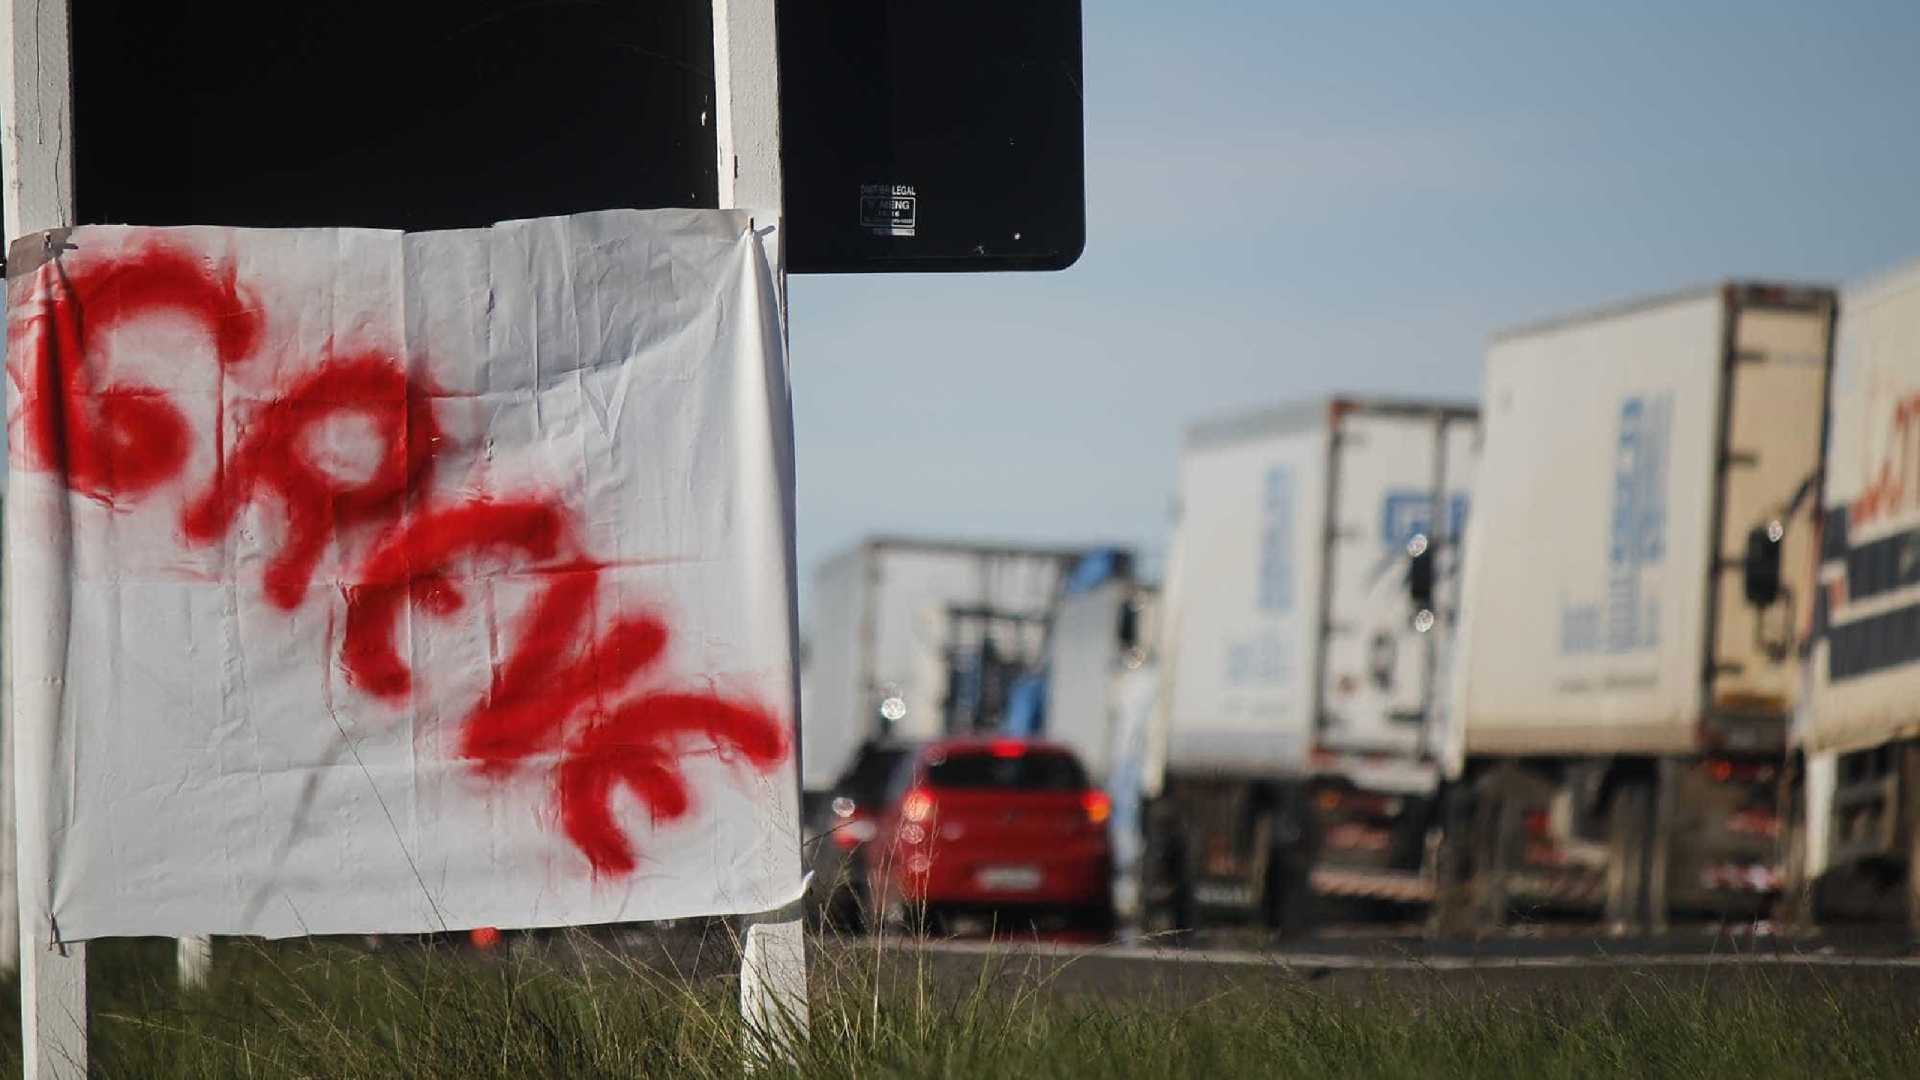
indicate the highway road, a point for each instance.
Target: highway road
{"x":1370,"y":962}
{"x":1361,"y":958}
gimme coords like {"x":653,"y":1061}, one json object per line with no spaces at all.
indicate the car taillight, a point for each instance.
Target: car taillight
{"x":856,"y":830}
{"x":917,"y":806}
{"x":1098,"y":807}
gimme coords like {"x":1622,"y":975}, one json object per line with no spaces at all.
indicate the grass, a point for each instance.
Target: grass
{"x":582,"y":1006}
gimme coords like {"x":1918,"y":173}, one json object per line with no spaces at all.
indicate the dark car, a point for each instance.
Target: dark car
{"x":839,"y":825}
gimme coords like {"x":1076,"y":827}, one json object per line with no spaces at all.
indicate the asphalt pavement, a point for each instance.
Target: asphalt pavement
{"x":1363,"y":958}
{"x":1375,"y":959}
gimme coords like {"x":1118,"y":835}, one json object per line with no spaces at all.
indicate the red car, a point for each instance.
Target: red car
{"x":994,"y":827}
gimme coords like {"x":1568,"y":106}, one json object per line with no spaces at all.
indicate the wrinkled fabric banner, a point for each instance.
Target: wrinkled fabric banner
{"x":380,"y":582}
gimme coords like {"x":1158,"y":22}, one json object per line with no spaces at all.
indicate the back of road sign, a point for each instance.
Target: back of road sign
{"x":428,"y":114}
{"x":929,"y":137}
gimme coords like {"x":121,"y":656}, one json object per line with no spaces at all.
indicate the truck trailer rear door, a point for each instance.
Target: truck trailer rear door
{"x":1778,"y":358}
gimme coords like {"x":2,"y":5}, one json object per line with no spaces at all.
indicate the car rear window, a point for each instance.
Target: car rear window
{"x":1031,"y":771}
{"x":867,"y":779}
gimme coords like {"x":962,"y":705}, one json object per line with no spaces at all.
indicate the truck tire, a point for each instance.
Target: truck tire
{"x":1287,"y":906}
{"x":1286,"y":895}
{"x":1496,"y":830}
{"x":1629,"y":832}
{"x":1795,"y":910}
{"x":1452,"y":913}
{"x":1909,"y":827}
{"x":1166,"y":901}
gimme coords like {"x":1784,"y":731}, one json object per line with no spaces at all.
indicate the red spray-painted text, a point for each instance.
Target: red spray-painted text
{"x":565,"y":689}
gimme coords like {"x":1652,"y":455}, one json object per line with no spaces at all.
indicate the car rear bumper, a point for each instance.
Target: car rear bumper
{"x":1009,"y":879}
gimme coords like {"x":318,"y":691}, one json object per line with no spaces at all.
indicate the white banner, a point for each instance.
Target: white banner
{"x":366,"y":581}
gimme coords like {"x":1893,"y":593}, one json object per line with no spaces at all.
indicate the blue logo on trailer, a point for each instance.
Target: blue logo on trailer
{"x":1404,"y":513}
{"x":1276,"y":541}
{"x":1627,"y":619}
{"x":1266,"y":657}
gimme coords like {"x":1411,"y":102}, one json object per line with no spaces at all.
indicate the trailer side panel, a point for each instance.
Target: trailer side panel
{"x":1240,"y":641}
{"x":1866,"y":659}
{"x":1586,"y":564}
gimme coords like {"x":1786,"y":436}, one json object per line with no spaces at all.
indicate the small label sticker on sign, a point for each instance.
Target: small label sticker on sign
{"x":888,"y":209}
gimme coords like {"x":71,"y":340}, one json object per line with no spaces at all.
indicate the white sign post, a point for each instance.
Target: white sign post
{"x":773,"y":966}
{"x":36,"y":162}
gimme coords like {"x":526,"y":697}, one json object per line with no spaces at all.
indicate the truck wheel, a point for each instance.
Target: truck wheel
{"x":1167,"y":896}
{"x":1629,"y":828}
{"x":1451,"y":914}
{"x":1286,"y":900}
{"x":1908,"y":825}
{"x":1286,"y":896}
{"x":1496,"y":829}
{"x":1795,"y":911}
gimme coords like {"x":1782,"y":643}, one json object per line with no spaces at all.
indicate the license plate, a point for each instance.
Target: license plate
{"x":1223,"y":895}
{"x":1010,"y":878}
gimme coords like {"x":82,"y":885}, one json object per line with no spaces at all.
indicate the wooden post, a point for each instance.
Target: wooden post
{"x":36,"y":155}
{"x":193,"y":960}
{"x":36,"y":112}
{"x":53,"y":1008}
{"x":746,"y":90}
{"x":9,"y":877}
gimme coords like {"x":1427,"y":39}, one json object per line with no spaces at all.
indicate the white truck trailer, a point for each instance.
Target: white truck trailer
{"x":1294,"y":743}
{"x":1099,"y":632}
{"x":1854,"y":785}
{"x":1640,"y":554}
{"x":910,"y":638}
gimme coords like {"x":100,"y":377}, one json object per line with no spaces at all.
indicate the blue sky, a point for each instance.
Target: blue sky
{"x":1286,"y":200}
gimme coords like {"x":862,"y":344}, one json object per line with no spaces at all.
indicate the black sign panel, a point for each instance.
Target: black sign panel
{"x":931,"y":136}
{"x":416,"y":114}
